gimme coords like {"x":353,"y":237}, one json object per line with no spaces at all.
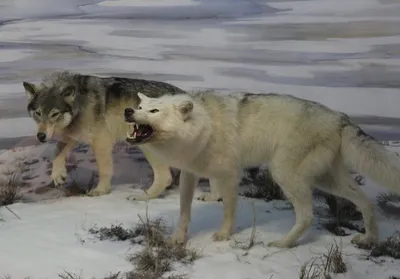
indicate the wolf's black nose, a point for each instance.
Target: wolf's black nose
{"x":41,"y":136}
{"x":129,"y":112}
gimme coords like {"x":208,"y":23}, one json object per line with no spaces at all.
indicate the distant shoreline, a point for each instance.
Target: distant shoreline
{"x":376,"y":120}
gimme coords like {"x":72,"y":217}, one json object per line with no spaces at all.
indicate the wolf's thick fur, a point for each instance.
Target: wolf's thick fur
{"x":305,"y":144}
{"x":85,"y":108}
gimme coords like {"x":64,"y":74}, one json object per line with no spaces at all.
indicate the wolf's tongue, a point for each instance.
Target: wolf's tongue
{"x":138,"y":133}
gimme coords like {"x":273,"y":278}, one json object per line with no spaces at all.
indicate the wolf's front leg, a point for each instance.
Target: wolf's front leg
{"x":161,"y":173}
{"x":187,"y":184}
{"x":227,"y":186}
{"x":59,"y":170}
{"x":102,"y":147}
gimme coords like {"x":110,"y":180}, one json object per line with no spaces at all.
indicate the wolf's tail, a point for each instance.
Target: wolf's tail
{"x":363,"y":153}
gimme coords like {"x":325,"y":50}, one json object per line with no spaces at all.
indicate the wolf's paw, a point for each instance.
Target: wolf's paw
{"x":280,"y":244}
{"x":99,"y":192}
{"x":364,"y":241}
{"x":134,"y":197}
{"x":58,"y":175}
{"x":221,"y":236}
{"x":208,"y":197}
{"x":178,"y":238}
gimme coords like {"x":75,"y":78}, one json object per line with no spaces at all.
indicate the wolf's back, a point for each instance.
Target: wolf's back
{"x":363,"y":153}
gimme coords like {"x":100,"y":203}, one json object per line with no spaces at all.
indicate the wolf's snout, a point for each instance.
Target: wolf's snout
{"x":41,"y":136}
{"x":129,"y":112}
{"x":129,"y":115}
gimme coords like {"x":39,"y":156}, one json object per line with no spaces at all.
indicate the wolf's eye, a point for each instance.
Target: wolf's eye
{"x":154,"y":110}
{"x":38,"y":113}
{"x":55,"y":114}
{"x":139,"y":107}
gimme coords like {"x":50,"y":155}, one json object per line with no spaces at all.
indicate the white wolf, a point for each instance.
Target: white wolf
{"x":305,"y":144}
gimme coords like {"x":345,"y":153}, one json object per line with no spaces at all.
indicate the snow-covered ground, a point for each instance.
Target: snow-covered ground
{"x":343,"y":53}
{"x":51,"y":233}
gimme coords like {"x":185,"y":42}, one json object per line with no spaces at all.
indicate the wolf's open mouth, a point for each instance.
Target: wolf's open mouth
{"x":138,"y":132}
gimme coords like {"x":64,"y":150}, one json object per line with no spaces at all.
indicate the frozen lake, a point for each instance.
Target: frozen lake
{"x":343,"y":54}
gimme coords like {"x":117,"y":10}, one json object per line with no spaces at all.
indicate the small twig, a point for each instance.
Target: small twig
{"x":276,"y":252}
{"x":15,"y":214}
{"x":68,"y":275}
{"x":252,"y":240}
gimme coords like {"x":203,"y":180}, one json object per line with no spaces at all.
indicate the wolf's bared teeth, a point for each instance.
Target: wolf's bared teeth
{"x":131,"y":136}
{"x":131,"y":128}
{"x":131,"y":133}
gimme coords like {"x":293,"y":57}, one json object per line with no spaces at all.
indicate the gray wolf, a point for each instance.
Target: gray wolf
{"x":304,"y":143}
{"x":86,"y":108}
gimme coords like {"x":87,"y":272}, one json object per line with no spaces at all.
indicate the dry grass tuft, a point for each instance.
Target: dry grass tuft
{"x":177,"y":276}
{"x":114,"y":233}
{"x":9,"y":277}
{"x":154,"y":232}
{"x":10,"y":187}
{"x":334,"y":261}
{"x":69,"y":275}
{"x":149,"y":260}
{"x":11,"y":182}
{"x":113,"y":276}
{"x":389,"y":247}
{"x":324,"y":266}
{"x":141,"y":275}
{"x":310,"y":270}
{"x":157,"y":256}
{"x":149,"y":275}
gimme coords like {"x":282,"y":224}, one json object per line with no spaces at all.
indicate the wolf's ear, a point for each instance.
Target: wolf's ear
{"x":30,"y":89}
{"x":141,"y":96}
{"x":185,"y":108}
{"x":69,"y":94}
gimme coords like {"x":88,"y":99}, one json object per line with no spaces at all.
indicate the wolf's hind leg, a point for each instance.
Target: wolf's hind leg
{"x":302,"y":203}
{"x":342,"y":184}
{"x":299,"y":191}
{"x":214,"y":194}
{"x":102,"y":147}
{"x":59,"y":170}
{"x":161,"y":173}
